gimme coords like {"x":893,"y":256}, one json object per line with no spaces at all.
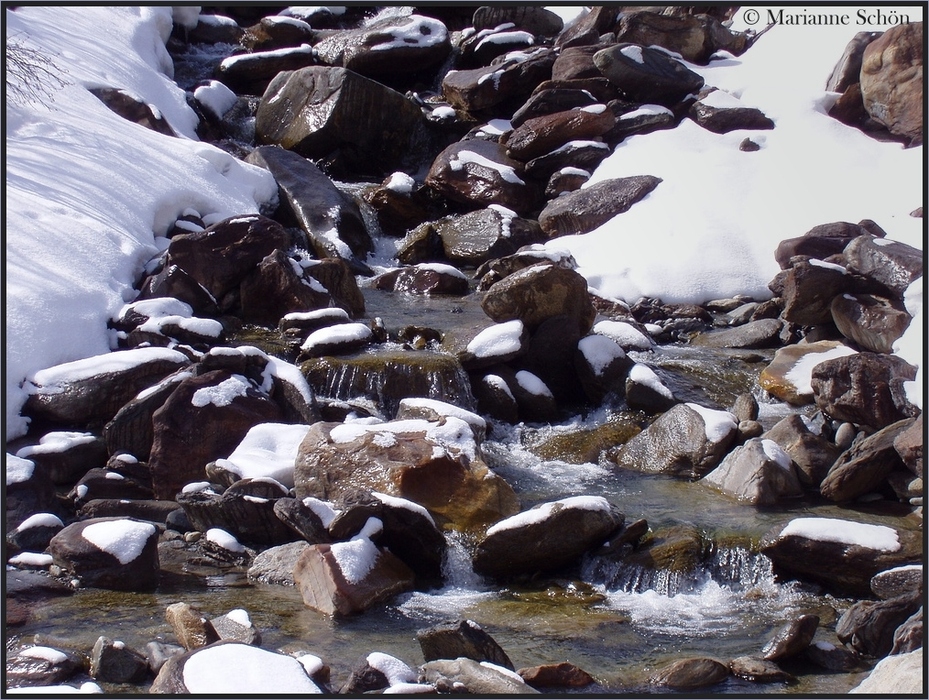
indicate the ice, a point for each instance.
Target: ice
{"x":124,"y":539}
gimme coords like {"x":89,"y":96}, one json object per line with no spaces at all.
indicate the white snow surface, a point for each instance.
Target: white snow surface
{"x":910,"y":346}
{"x":216,"y":97}
{"x":53,"y":380}
{"x":776,"y":454}
{"x":231,"y":669}
{"x":801,"y":374}
{"x":717,"y":424}
{"x":339,"y":333}
{"x":645,"y":375}
{"x":56,"y":441}
{"x":544,"y":511}
{"x":267,"y":450}
{"x":87,"y":688}
{"x":446,"y":409}
{"x":396,"y":502}
{"x":499,"y":339}
{"x":40,"y":520}
{"x":223,"y":539}
{"x":600,"y":351}
{"x":848,"y":532}
{"x":531,"y":383}
{"x":465,"y":157}
{"x":453,"y":434}
{"x":124,"y":539}
{"x":393,"y":668}
{"x":32,"y":559}
{"x":627,"y":336}
{"x":53,"y":656}
{"x":221,"y":394}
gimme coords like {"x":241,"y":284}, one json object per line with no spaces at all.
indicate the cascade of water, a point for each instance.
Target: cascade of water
{"x":456,"y":564}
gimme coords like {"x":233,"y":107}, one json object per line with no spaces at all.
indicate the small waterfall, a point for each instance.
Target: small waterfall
{"x":456,"y":566}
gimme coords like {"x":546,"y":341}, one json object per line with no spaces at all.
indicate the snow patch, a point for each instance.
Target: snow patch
{"x":879,"y":537}
{"x":124,"y":539}
{"x":544,"y":511}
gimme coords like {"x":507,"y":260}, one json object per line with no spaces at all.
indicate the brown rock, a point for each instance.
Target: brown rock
{"x":871,"y":321}
{"x":540,"y":135}
{"x":586,"y":209}
{"x":688,"y":674}
{"x":864,"y":466}
{"x":563,"y":675}
{"x":791,"y":639}
{"x":892,"y":80}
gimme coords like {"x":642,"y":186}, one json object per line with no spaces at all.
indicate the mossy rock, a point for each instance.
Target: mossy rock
{"x":680,"y":548}
{"x":585,"y":446}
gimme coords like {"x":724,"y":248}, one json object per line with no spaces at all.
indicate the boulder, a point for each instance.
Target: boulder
{"x":533,"y":19}
{"x":645,"y":391}
{"x":64,"y":456}
{"x":552,"y":100}
{"x":588,"y":28}
{"x":788,"y":377}
{"x":791,"y":639}
{"x":812,"y":454}
{"x":842,"y":555}
{"x":647,"y":75}
{"x":479,"y":173}
{"x":762,"y":333}
{"x":112,"y":553}
{"x":868,"y":626}
{"x":547,"y":537}
{"x":114,"y":662}
{"x":864,"y":388}
{"x":468,"y":676}
{"x":106,"y":483}
{"x":758,"y":670}
{"x":550,"y":356}
{"x":249,"y":518}
{"x":172,"y":281}
{"x":28,"y":491}
{"x":601,"y":366}
{"x":89,"y":392}
{"x":236,"y":625}
{"x":892,"y":80}
{"x":377,"y":671}
{"x":485,"y":234}
{"x":40,"y":665}
{"x":584,"y":210}
{"x":904,"y":673}
{"x":462,"y":639}
{"x":832,"y":658}
{"x":909,"y":445}
{"x":540,"y":135}
{"x":808,"y":290}
{"x":585,"y":155}
{"x":35,"y":532}
{"x":494,"y":396}
{"x":250,"y":73}
{"x":847,"y":71}
{"x":721,"y":113}
{"x":562,"y":675}
{"x":275,"y":33}
{"x":424,"y":279}
{"x":320,"y":111}
{"x":819,"y":242}
{"x":204,"y":419}
{"x":892,"y":583}
{"x":345,"y":578}
{"x":632,"y":119}
{"x":301,"y":519}
{"x":757,"y":472}
{"x":510,"y":78}
{"x":540,"y":292}
{"x":412,"y":460}
{"x":891,"y":264}
{"x":688,"y":440}
{"x":865,"y":466}
{"x":873,"y":322}
{"x":330,"y":218}
{"x":276,"y":287}
{"x":687,"y":674}
{"x":275,"y":565}
{"x":482,"y":47}
{"x":337,"y":277}
{"x":909,"y":636}
{"x":695,"y":37}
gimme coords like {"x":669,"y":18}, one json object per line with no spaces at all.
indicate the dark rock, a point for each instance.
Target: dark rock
{"x":494,"y":397}
{"x":270,"y":34}
{"x":872,"y":322}
{"x":909,"y":636}
{"x":41,"y":665}
{"x":35,"y":532}
{"x":566,"y":180}
{"x":126,"y":559}
{"x":424,"y":279}
{"x":114,"y":662}
{"x":302,"y":519}
{"x":557,"y":535}
{"x":722,"y":120}
{"x":540,"y":135}
{"x":893,"y":583}
{"x":462,"y":639}
{"x":482,"y":47}
{"x":758,"y":670}
{"x":485,"y":234}
{"x":174,"y":282}
{"x":65,"y":456}
{"x":832,"y":658}
{"x":601,"y":366}
{"x":909,"y":445}
{"x":550,"y":356}
{"x":892,"y":80}
{"x":891,"y":264}
{"x":646,"y":392}
{"x":809,"y":288}
{"x":106,"y":483}
{"x":248,"y":518}
{"x":585,"y":155}
{"x":275,"y":565}
{"x":215,"y":29}
{"x":632,"y":119}
{"x":337,"y":277}
{"x":791,"y":639}
{"x":138,"y":509}
{"x":763,"y":333}
{"x":533,"y":19}
{"x":847,"y":71}
{"x":552,"y":100}
{"x":563,"y":675}
{"x":577,"y":63}
{"x":864,"y":466}
{"x":694,"y":37}
{"x":688,"y":674}
{"x":585,"y":210}
{"x":28,"y":491}
{"x":506,"y":80}
{"x":588,"y":28}
{"x":400,"y":206}
{"x":647,"y":75}
{"x":251,"y":73}
{"x":812,"y":454}
{"x":819,"y":242}
{"x":868,"y":626}
{"x":131,"y":108}
{"x":237,"y":626}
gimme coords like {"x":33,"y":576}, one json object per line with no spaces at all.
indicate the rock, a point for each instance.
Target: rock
{"x":892,"y":80}
{"x":847,"y":561}
{"x":763,"y":333}
{"x":566,"y":180}
{"x":832,"y":658}
{"x":758,"y":670}
{"x":694,"y":37}
{"x":892,"y":264}
{"x":540,"y":135}
{"x":745,"y":407}
{"x":399,"y":203}
{"x":847,"y":71}
{"x":812,"y":454}
{"x":909,"y":636}
{"x":65,"y":456}
{"x":863,"y":388}
{"x":758,"y":472}
{"x":133,"y":109}
{"x":107,"y":483}
{"x":176,"y":283}
{"x":687,"y":674}
{"x":588,"y":28}
{"x":791,"y":639}
{"x":89,"y":392}
{"x":819,"y":242}
{"x":468,"y":676}
{"x":632,"y":119}
{"x":251,"y":73}
{"x":495,"y":270}
{"x":546,"y":538}
{"x":481,"y":47}
{"x":204,"y":419}
{"x":249,"y":518}
{"x":584,"y":210}
{"x":386,"y":47}
{"x":346,"y":578}
{"x":645,"y":391}
{"x":563,"y":675}
{"x":275,"y":565}
{"x":114,"y":662}
{"x":221,"y":256}
{"x":462,"y":639}
{"x":893,"y":583}
{"x":321,"y":112}
{"x":486,"y":234}
{"x":903,"y":673}
{"x":479,"y":173}
{"x":337,"y":277}
{"x":864,"y":466}
{"x":872,"y":322}
{"x":228,"y":668}
{"x":215,"y":29}
{"x":377,"y":671}
{"x":191,"y":628}
{"x":330,"y":218}
{"x":647,"y":75}
{"x":508,"y":79}
{"x":35,"y":532}
{"x":112,"y":553}
{"x":41,"y":665}
{"x":868,"y":626}
{"x":494,"y":397}
{"x":809,"y":288}
{"x":583,"y":155}
{"x":909,"y":445}
{"x":721,"y":113}
{"x":552,"y":100}
{"x":272,"y":33}
{"x":301,"y":519}
{"x":457,"y":487}
{"x":688,"y":440}
{"x":411,"y":534}
{"x":28,"y":491}
{"x":533,"y":19}
{"x":424,"y":279}
{"x":236,"y":625}
{"x":158,"y":654}
{"x":276,"y":287}
{"x":540,"y":292}
{"x":601,"y":366}
{"x":788,"y":376}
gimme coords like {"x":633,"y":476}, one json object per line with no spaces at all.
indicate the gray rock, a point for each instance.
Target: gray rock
{"x":791,"y":639}
{"x":868,"y":626}
{"x":647,"y":75}
{"x":468,"y":676}
{"x":462,"y":639}
{"x":864,"y":466}
{"x":812,"y":454}
{"x":114,"y":662}
{"x":687,"y":674}
{"x":763,"y":333}
{"x":275,"y":565}
{"x":584,"y":210}
{"x":758,"y":472}
{"x":901,"y":674}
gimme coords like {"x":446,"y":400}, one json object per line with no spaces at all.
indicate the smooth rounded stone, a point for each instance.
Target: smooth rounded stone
{"x":647,"y":75}
{"x":275,"y":565}
{"x":601,"y":366}
{"x":722,"y":120}
{"x":872,"y":322}
{"x":588,"y":28}
{"x":695,"y":37}
{"x":34,"y":533}
{"x":40,"y":665}
{"x":892,"y":264}
{"x":486,"y":234}
{"x":214,"y":28}
{"x":126,"y":558}
{"x":551,"y":536}
{"x":584,"y":210}
{"x":763,"y":333}
{"x":318,"y":110}
{"x":533,"y":19}
{"x":896,"y":582}
{"x":28,"y":491}
{"x":138,"y":509}
{"x":377,"y":671}
{"x":540,"y":135}
{"x":900,"y":674}
{"x":158,"y":654}
{"x":745,"y":407}
{"x":687,"y":674}
{"x":757,"y":472}
{"x":819,"y":242}
{"x":562,"y":675}
{"x":892,"y":80}
{"x":114,"y":662}
{"x":237,"y":626}
{"x":864,"y":466}
{"x":564,"y":181}
{"x":100,"y":483}
{"x":494,"y":396}
{"x":868,"y":626}
{"x":269,"y":34}
{"x":248,"y":518}
{"x":844,"y":435}
{"x":791,"y":639}
{"x":65,"y":456}
{"x":462,"y":639}
{"x":812,"y":454}
{"x":585,"y":155}
{"x":425,"y":279}
{"x":645,"y":391}
{"x":482,"y":47}
{"x":758,"y":670}
{"x":250,"y":73}
{"x":799,"y":550}
{"x":468,"y":676}
{"x":540,"y":292}
{"x":190,"y":627}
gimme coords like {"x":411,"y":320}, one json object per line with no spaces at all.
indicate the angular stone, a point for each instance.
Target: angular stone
{"x":563,"y":675}
{"x":891,"y":264}
{"x":781,"y":378}
{"x":868,"y":626}
{"x":507,"y":79}
{"x":758,"y":472}
{"x":722,"y":120}
{"x":551,"y":100}
{"x":647,"y":75}
{"x":758,"y":670}
{"x":114,"y":662}
{"x":791,"y":639}
{"x":586,"y":209}
{"x":250,"y":73}
{"x":540,"y":135}
{"x":819,"y":242}
{"x":695,"y":37}
{"x":533,"y":19}
{"x":864,"y":466}
{"x":847,"y":70}
{"x":872,"y":322}
{"x":812,"y":454}
{"x":462,"y":639}
{"x":763,"y":333}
